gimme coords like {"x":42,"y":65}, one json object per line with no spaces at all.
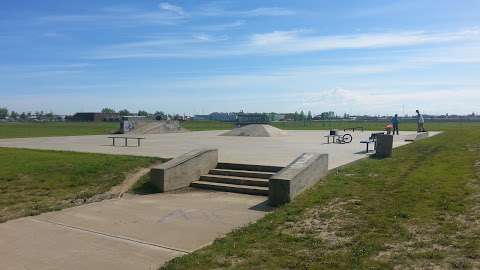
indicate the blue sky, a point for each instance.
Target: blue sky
{"x":194,"y":57}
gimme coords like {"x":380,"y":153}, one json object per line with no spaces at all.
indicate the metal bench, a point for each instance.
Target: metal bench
{"x":331,"y":136}
{"x":371,"y":139}
{"x":340,"y":139}
{"x":126,"y":139}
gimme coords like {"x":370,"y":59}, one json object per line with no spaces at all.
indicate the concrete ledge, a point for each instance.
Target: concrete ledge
{"x":417,"y":137}
{"x":301,"y":174}
{"x":183,"y":170}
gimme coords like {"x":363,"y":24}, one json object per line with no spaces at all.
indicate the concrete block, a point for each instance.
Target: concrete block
{"x":183,"y":170}
{"x":417,"y":137}
{"x":301,"y":174}
{"x":384,"y":146}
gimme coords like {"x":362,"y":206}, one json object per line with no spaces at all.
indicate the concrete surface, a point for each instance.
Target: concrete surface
{"x":417,"y":136}
{"x":137,"y":232}
{"x":278,"y":151}
{"x":183,"y":170}
{"x":256,"y":130}
{"x":143,"y":232}
{"x":302,"y":173}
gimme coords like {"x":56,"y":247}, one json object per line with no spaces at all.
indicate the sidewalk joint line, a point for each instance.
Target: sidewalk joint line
{"x":110,"y":235}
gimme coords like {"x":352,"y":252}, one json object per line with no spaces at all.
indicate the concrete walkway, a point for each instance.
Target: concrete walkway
{"x":136,"y":232}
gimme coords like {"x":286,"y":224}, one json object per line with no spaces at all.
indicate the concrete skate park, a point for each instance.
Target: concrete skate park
{"x":143,"y":232}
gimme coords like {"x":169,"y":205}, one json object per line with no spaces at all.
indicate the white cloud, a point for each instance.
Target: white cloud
{"x":168,"y":15}
{"x":439,"y":101}
{"x":220,"y":27}
{"x":274,"y":38}
{"x":220,"y":11}
{"x":296,"y":42}
{"x":268,"y":11}
{"x":172,"y":8}
{"x":286,"y":42}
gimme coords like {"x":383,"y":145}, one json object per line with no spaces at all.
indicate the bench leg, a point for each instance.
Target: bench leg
{"x":113,"y":141}
{"x":367,"y":146}
{"x":126,"y":142}
{"x":138,"y":142}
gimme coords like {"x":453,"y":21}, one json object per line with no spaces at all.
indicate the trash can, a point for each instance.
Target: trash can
{"x":384,"y":146}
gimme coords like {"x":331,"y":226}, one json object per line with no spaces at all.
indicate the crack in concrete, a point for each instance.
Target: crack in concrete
{"x":116,"y":237}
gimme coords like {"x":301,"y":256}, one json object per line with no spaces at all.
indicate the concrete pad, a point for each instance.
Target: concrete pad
{"x":279,"y":151}
{"x":184,"y":222}
{"x":29,"y":244}
{"x":136,"y":232}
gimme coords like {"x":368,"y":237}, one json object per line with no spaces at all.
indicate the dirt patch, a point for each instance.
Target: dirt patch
{"x":118,"y":190}
{"x":328,"y":223}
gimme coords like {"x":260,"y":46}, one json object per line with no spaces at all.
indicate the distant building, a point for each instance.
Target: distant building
{"x":201,"y":117}
{"x":252,"y":118}
{"x":225,"y":117}
{"x":95,"y":117}
{"x":216,"y":116}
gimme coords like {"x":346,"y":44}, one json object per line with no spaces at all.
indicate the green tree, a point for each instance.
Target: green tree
{"x":14,"y":115}
{"x":3,"y":113}
{"x":142,"y":113}
{"x":302,"y":116}
{"x":159,"y":115}
{"x":309,"y":116}
{"x":124,"y":112}
{"x":108,"y":110}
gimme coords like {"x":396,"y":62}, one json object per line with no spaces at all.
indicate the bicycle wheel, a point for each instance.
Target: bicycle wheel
{"x":347,"y":138}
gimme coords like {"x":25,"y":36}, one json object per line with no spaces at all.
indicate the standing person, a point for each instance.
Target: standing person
{"x":420,"y":122}
{"x":395,"y":124}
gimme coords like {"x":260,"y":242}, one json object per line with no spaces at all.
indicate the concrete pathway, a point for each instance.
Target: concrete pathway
{"x":136,"y":232}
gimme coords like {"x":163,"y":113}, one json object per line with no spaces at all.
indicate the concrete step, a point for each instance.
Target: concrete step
{"x":226,"y":179}
{"x":249,"y":167}
{"x":242,"y":173}
{"x":253,"y":190}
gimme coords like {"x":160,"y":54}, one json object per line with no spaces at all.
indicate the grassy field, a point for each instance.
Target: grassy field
{"x":326,"y":125}
{"x":23,"y":130}
{"x":419,"y":209}
{"x":35,"y":181}
{"x":206,"y":125}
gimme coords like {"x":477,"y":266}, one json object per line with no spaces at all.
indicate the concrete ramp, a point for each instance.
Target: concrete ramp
{"x":256,"y":130}
{"x":154,"y":127}
{"x":416,"y":137}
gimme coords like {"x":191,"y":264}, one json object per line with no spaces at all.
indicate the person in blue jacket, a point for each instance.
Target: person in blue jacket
{"x":395,"y":124}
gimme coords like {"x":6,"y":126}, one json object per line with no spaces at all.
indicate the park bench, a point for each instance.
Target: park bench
{"x":353,"y":129}
{"x":372,"y":139}
{"x":331,"y":136}
{"x":340,"y":139}
{"x":126,"y":139}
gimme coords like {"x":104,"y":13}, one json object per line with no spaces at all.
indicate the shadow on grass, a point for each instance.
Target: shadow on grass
{"x":144,"y":186}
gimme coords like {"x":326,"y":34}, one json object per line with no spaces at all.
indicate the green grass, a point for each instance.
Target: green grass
{"x":23,"y":130}
{"x":36,"y":181}
{"x":206,"y":125}
{"x":326,"y":125}
{"x":416,"y":210}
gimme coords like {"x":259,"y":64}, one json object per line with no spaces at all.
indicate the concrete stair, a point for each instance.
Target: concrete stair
{"x":238,"y":178}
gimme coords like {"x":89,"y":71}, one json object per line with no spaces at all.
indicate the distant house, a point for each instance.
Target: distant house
{"x":252,"y":118}
{"x":225,"y":117}
{"x":201,"y":117}
{"x":95,"y":117}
